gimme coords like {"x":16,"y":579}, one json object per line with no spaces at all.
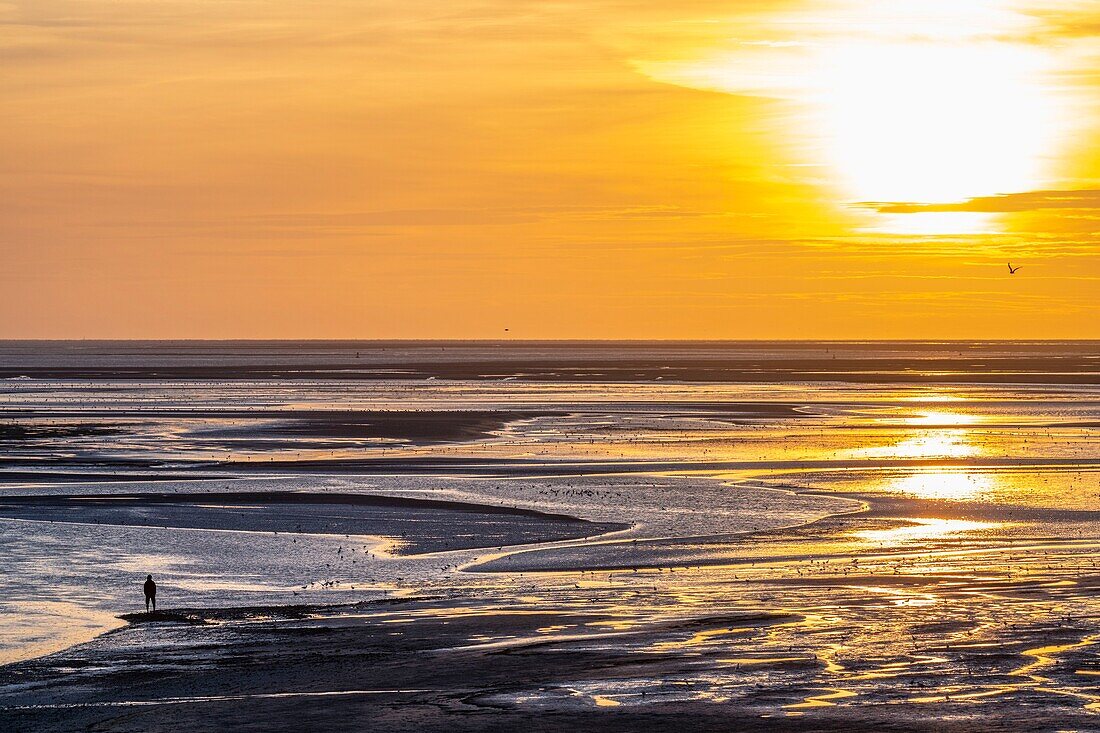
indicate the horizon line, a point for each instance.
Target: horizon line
{"x":413,"y":340}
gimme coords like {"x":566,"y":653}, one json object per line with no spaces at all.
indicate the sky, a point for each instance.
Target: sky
{"x":812,"y":169}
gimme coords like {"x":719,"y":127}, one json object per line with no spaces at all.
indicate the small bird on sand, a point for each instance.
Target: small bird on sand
{"x":1012,"y":270}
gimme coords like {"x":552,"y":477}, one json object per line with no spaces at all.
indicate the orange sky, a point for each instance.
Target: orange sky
{"x":576,"y":169}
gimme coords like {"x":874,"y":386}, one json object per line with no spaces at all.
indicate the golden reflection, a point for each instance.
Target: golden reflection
{"x":941,"y":417}
{"x":922,"y":529}
{"x":924,"y":444}
{"x":700,"y":638}
{"x":943,"y":435}
{"x":942,"y":484}
{"x":1047,"y":656}
{"x":825,"y":699}
{"x":934,"y":397}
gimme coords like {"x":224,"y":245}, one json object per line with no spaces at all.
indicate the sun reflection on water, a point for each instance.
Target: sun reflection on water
{"x":936,"y":434}
{"x":941,"y":417}
{"x":951,"y":443}
{"x":920,"y":529}
{"x":955,"y":485}
{"x":932,"y":396}
{"x":942,"y":484}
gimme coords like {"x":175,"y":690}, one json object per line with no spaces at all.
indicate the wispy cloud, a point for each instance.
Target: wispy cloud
{"x":999,"y":204}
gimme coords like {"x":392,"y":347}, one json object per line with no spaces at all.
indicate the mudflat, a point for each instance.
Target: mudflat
{"x":550,"y":537}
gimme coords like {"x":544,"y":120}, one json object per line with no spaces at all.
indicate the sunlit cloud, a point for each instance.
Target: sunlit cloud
{"x":935,"y":103}
{"x":1026,"y":201}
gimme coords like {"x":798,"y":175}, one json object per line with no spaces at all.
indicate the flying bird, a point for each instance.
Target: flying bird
{"x":1012,"y":270}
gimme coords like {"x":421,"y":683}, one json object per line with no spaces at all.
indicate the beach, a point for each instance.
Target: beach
{"x":451,"y":536}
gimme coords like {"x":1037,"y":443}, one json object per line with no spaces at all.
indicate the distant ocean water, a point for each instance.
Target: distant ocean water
{"x":862,"y":361}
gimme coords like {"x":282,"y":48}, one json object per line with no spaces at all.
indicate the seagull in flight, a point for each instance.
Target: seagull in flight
{"x":1012,"y":270}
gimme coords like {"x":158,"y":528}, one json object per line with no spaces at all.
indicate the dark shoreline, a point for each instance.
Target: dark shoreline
{"x":267,"y":498}
{"x":414,"y":526}
{"x":495,"y":467}
{"x":939,"y":372}
{"x":857,"y":362}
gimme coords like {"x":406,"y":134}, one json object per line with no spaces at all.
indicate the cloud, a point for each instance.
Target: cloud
{"x":1062,"y":19}
{"x":998,"y":204}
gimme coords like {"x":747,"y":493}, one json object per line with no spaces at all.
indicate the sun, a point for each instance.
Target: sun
{"x":911,"y":101}
{"x":934,"y":122}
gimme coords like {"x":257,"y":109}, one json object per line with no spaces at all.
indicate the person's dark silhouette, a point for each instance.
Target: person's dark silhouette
{"x":150,"y":593}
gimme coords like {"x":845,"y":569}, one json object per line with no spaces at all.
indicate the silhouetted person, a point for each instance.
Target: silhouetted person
{"x":150,"y":593}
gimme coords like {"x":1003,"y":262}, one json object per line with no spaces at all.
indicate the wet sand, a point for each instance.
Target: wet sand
{"x":414,"y":526}
{"x":811,"y":630}
{"x":822,"y":537}
{"x":704,"y":651}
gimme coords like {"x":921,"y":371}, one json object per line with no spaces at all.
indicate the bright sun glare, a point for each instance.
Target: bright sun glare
{"x":949,"y":484}
{"x":915,"y":101}
{"x":926,"y":121}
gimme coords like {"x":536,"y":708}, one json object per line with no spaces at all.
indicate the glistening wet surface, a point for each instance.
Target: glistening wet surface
{"x":819,"y":552}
